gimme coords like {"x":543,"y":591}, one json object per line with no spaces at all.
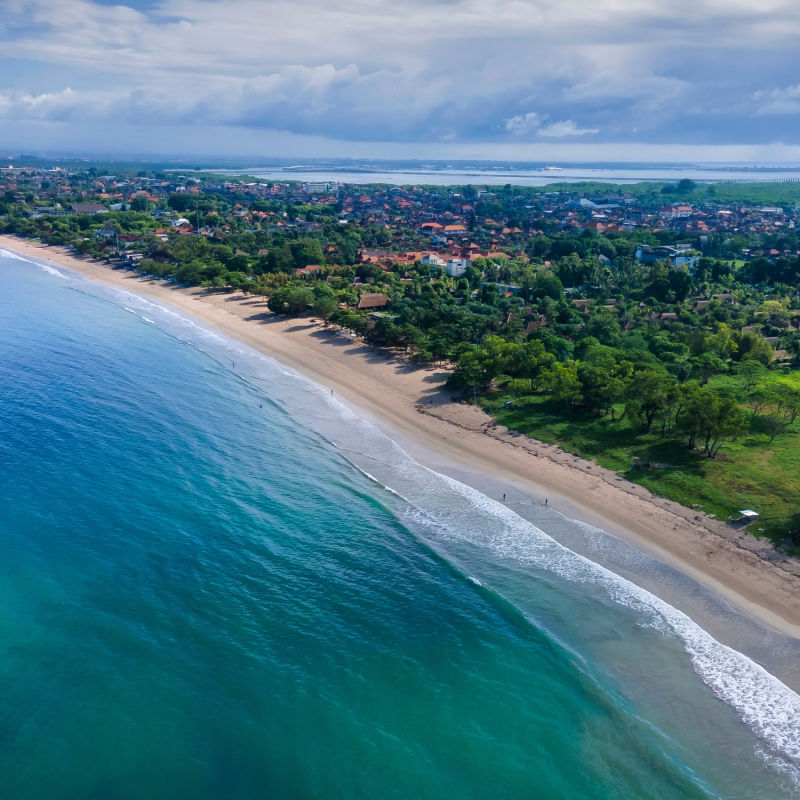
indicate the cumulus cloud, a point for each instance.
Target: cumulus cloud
{"x":532,"y":122}
{"x":373,"y":70}
{"x":565,"y":128}
{"x":44,"y":106}
{"x":779,"y":101}
{"x":523,"y":123}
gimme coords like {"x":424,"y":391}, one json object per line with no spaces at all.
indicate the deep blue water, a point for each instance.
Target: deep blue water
{"x":202,"y":594}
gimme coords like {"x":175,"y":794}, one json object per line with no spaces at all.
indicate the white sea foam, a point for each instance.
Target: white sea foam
{"x":35,"y":262}
{"x":140,"y":315}
{"x":49,"y":269}
{"x":791,"y":771}
{"x":367,"y":475}
{"x":174,"y":320}
{"x":769,"y":707}
{"x":15,"y":256}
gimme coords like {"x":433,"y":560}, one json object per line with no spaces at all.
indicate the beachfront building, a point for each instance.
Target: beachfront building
{"x":373,"y":300}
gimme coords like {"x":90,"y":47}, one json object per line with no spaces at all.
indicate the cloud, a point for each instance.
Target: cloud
{"x":523,"y":123}
{"x":779,"y":101}
{"x":45,"y":106}
{"x":565,"y":128}
{"x":374,"y":70}
{"x":531,"y":122}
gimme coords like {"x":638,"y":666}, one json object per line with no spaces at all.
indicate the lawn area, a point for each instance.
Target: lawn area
{"x":781,"y":193}
{"x":750,"y":472}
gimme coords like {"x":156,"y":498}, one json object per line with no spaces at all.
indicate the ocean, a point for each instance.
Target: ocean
{"x":217,"y":581}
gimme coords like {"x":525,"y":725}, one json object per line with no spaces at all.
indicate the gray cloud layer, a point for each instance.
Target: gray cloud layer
{"x":446,"y":71}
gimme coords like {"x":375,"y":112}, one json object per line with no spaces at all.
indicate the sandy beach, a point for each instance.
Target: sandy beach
{"x":409,"y":404}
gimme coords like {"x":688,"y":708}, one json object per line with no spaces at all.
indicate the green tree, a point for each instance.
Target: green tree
{"x":647,"y":395}
{"x":774,"y":425}
{"x":562,"y":380}
{"x":727,"y":422}
{"x":470,"y":372}
{"x":751,"y":372}
{"x":306,"y":251}
{"x":181,"y":202}
{"x":755,"y":348}
{"x":706,"y":365}
{"x":712,"y":418}
{"x":548,"y":285}
{"x":324,"y":306}
{"x":290,"y":300}
{"x":604,"y":327}
{"x":535,"y":358}
{"x":759,"y":397}
{"x":721,"y":343}
{"x":604,"y":379}
{"x":788,"y":401}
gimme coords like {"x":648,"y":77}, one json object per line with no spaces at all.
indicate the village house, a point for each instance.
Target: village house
{"x":373,"y":300}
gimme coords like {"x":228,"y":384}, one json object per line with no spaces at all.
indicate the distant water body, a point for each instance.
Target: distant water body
{"x":217,"y":582}
{"x":515,"y":173}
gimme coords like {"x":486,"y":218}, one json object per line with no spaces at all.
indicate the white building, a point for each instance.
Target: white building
{"x":456,"y":267}
{"x":678,"y":257}
{"x":432,"y":260}
{"x":319,"y":187}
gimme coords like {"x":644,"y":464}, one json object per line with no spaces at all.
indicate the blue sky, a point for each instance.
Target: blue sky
{"x":539,"y":79}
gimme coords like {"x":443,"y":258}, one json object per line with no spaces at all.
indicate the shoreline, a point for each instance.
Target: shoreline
{"x":408,"y":404}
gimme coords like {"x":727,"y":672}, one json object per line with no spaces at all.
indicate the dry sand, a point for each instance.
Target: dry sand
{"x":410,"y":405}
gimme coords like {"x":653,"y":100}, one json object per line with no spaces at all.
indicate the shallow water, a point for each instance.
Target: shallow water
{"x":217,"y":581}
{"x":516,"y":174}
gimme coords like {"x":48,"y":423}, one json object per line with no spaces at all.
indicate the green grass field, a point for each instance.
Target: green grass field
{"x":781,"y":193}
{"x":751,"y":472}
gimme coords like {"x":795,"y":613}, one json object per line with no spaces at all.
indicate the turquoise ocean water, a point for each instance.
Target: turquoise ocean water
{"x":217,"y":582}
